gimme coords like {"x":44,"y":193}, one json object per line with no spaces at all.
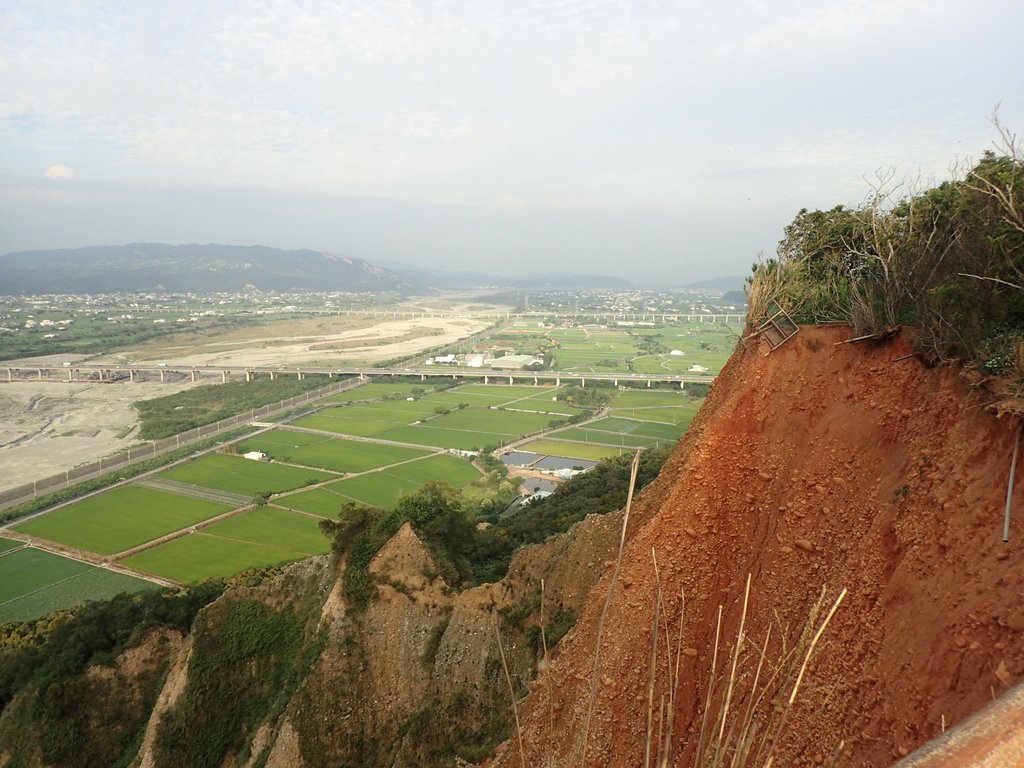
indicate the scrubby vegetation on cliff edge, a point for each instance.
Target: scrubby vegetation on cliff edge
{"x":465,"y":552}
{"x":67,"y":695}
{"x":947,"y":260}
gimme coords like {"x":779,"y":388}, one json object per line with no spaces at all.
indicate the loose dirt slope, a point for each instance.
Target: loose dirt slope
{"x":817,"y":465}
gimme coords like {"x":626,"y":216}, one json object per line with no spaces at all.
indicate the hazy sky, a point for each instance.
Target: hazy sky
{"x":660,"y":141}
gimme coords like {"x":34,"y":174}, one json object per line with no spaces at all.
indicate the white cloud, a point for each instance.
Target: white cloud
{"x":678,"y":108}
{"x":60,"y":171}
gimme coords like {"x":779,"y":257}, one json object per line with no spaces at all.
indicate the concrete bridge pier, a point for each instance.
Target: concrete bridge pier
{"x":163,"y":375}
{"x":615,"y":382}
{"x":248,"y":375}
{"x":131,"y":375}
{"x":535,"y":381}
{"x":40,"y":372}
{"x":558,"y":381}
{"x":193,"y":376}
{"x":223,"y":377}
{"x":273,"y":375}
{"x":648,"y":383}
{"x":486,"y":380}
{"x":510,"y":380}
{"x":10,"y":375}
{"x":300,"y":375}
{"x":423,"y":377}
{"x":583,"y":383}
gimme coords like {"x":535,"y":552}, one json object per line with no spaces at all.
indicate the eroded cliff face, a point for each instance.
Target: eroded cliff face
{"x":285,"y":674}
{"x":849,"y":466}
{"x":817,"y":466}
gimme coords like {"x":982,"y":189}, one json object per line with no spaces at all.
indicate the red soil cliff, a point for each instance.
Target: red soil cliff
{"x":848,"y":466}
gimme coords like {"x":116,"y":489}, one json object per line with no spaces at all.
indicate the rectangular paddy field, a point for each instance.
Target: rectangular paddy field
{"x":378,"y":390}
{"x":6,"y":544}
{"x":472,"y":428}
{"x":593,"y":349}
{"x":591,"y":451}
{"x":329,"y":453}
{"x":706,"y":344}
{"x":243,"y":476}
{"x":382,"y":488}
{"x":122,"y":518}
{"x":33,"y":582}
{"x":253,"y":539}
{"x":512,"y":397}
{"x":638,"y":419}
{"x":366,"y":420}
{"x":523,"y":410}
{"x":622,"y":432}
{"x":648,"y":398}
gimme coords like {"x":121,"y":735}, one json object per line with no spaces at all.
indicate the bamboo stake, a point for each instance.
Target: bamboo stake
{"x":1009,"y":489}
{"x":511,"y":690}
{"x":596,"y":672}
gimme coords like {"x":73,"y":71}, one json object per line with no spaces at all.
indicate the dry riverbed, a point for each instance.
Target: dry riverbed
{"x":48,"y":427}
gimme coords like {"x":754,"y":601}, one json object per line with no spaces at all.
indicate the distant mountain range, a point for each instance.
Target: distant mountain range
{"x":145,"y":267}
{"x":727,"y":283}
{"x":445,"y":280}
{"x":195,"y":268}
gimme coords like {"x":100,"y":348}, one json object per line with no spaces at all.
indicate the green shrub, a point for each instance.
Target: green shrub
{"x":948,"y":260}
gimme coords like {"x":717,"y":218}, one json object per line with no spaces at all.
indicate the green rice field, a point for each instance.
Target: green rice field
{"x":621,"y":439}
{"x":594,"y":349}
{"x":470,"y":428}
{"x":706,"y":344}
{"x":326,"y":452}
{"x":6,"y":544}
{"x":377,"y":390}
{"x":366,"y":420}
{"x":273,"y":527}
{"x":442,"y":438}
{"x":237,"y":475}
{"x":120,"y":519}
{"x":681,"y":415}
{"x":199,"y":556}
{"x":316,"y":501}
{"x":466,"y":417}
{"x":33,"y":582}
{"x":648,"y":398}
{"x":374,"y":490}
{"x":383,"y":488}
{"x":590,"y":452}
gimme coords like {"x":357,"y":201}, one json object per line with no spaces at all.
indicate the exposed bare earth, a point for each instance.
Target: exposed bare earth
{"x":850,"y":466}
{"x":297,"y":342}
{"x":46,"y":428}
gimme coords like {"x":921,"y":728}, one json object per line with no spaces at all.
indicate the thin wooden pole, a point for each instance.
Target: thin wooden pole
{"x":1009,"y":488}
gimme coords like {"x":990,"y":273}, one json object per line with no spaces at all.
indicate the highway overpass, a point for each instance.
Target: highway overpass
{"x":79,"y":372}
